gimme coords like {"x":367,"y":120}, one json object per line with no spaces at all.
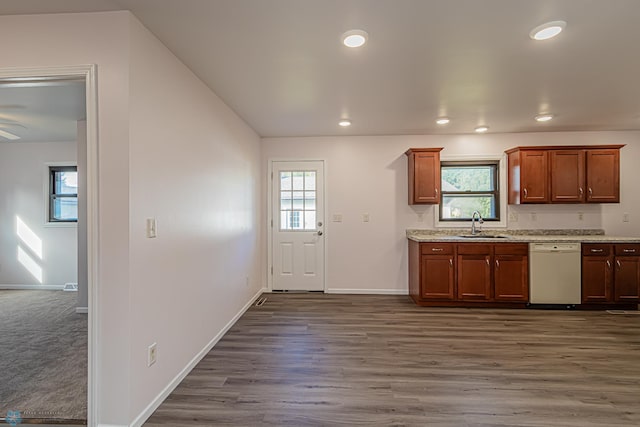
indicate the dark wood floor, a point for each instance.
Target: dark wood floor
{"x":343,"y":360}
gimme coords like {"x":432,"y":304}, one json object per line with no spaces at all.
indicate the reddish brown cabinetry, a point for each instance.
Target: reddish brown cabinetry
{"x":528,"y":176}
{"x":567,"y":176}
{"x":474,"y":271}
{"x":564,"y":174}
{"x":424,"y":175}
{"x":511,"y":272}
{"x":603,"y":176}
{"x":468,"y":273}
{"x":610,"y":273}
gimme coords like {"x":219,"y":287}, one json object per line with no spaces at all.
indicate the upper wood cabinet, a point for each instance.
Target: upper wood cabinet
{"x":603,"y":175}
{"x":424,"y":175}
{"x":567,"y":176}
{"x":564,"y":174}
{"x":528,"y":176}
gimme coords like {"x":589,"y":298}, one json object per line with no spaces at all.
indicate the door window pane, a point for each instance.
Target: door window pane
{"x":297,"y":206}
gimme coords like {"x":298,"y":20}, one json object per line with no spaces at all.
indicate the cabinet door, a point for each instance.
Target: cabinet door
{"x":511,"y":278}
{"x":424,"y":176}
{"x":603,"y":176}
{"x":567,"y":176}
{"x":596,"y":278}
{"x":534,"y":175}
{"x":474,"y":277}
{"x":626,"y":279}
{"x":437,"y":278}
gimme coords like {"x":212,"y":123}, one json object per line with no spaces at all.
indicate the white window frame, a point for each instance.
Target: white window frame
{"x":502,"y":185}
{"x":46,"y":188}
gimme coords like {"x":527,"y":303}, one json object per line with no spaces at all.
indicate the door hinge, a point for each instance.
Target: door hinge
{"x":272,"y":270}
{"x":271,"y":176}
{"x":271,"y":223}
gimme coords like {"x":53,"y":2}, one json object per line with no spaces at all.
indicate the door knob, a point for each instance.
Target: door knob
{"x":319,"y":223}
{"x":319,"y":233}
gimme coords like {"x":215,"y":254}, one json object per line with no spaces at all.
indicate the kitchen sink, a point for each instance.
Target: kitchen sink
{"x":483,"y":236}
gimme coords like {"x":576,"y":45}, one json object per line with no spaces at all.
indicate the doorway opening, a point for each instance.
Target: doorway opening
{"x":42,"y":309}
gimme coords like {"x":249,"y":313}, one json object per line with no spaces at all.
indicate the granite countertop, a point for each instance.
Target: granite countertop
{"x":526,"y":236}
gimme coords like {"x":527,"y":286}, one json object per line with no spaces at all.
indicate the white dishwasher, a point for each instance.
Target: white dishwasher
{"x":554,"y":273}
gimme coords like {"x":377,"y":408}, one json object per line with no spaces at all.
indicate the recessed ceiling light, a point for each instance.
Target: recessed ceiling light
{"x":481,"y":129}
{"x":355,"y":38}
{"x":543,"y":117}
{"x":443,"y":120}
{"x":548,"y":30}
{"x":8,"y":135}
{"x":344,"y":123}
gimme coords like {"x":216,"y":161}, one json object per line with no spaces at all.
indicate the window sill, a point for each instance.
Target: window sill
{"x":61,"y":224}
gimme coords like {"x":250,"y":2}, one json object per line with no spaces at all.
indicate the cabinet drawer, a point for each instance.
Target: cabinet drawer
{"x":436,"y":248}
{"x":474,"y":249}
{"x":627,"y":249}
{"x":511,"y":249}
{"x":596,"y":249}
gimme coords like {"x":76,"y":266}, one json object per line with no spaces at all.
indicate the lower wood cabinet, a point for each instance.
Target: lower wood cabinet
{"x":610,"y":273}
{"x":468,"y":273}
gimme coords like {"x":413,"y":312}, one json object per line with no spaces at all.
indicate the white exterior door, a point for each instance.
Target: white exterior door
{"x":297,"y":238}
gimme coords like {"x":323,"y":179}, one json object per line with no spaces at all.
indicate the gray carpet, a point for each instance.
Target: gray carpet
{"x":43,"y":355}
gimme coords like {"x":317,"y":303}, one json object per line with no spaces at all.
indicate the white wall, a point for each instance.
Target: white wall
{"x":369,"y":175}
{"x":23,"y":195}
{"x":195,"y":167}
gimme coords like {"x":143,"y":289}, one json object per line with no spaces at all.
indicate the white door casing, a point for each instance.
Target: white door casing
{"x":297,"y":225}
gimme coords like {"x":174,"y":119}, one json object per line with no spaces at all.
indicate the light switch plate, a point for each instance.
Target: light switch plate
{"x":152,"y":228}
{"x":336,"y":218}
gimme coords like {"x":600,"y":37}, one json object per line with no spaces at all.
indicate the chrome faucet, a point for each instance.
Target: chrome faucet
{"x":473,"y":222}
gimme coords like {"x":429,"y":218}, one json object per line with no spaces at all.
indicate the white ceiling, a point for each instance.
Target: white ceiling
{"x":42,"y":111}
{"x":280,"y":64}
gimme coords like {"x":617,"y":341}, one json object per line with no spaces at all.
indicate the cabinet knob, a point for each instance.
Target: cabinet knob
{"x":629,"y":251}
{"x":590,"y":192}
{"x":596,"y":250}
{"x":487,"y":260}
{"x":608,"y":265}
{"x":450,"y":262}
{"x":581,"y":192}
{"x":525,"y":193}
{"x":497,"y":264}
{"x":618,"y":263}
{"x":437,"y":249}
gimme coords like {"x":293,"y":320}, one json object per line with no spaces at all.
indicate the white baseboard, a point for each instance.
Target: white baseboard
{"x":110,"y":425}
{"x":82,"y":310}
{"x":33,"y":287}
{"x":368,"y":291}
{"x":150,"y":409}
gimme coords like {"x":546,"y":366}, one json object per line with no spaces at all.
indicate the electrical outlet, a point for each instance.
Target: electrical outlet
{"x":365,"y":217}
{"x":421,"y":217}
{"x":625,"y":217}
{"x":534,"y":216}
{"x":152,"y":354}
{"x":513,"y":217}
{"x":580,"y":216}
